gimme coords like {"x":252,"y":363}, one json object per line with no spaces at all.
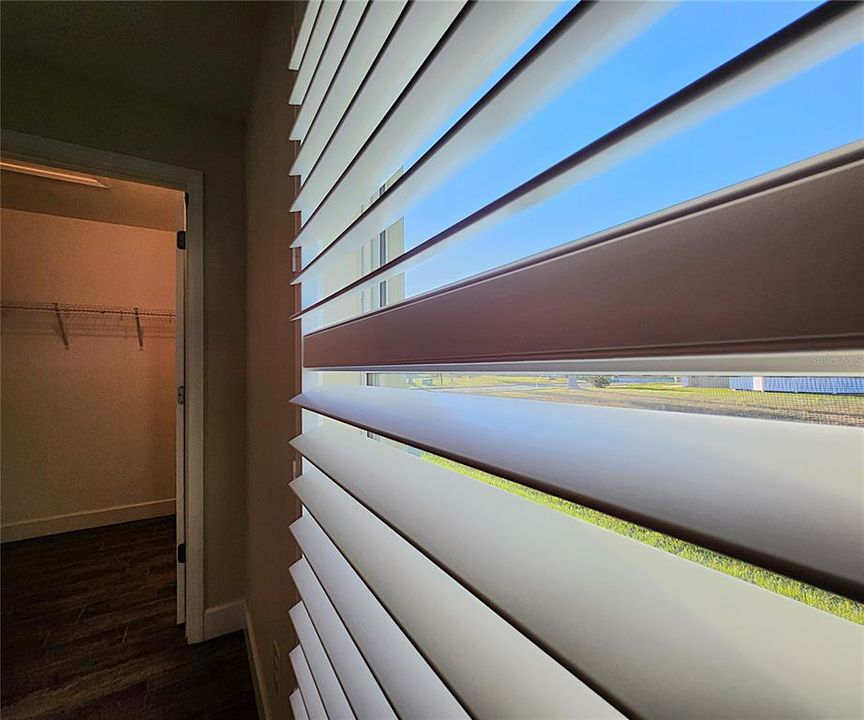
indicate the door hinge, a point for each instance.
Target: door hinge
{"x":181,"y":394}
{"x":181,"y":239}
{"x":181,"y":553}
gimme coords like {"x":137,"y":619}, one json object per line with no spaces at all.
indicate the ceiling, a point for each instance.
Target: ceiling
{"x":201,"y":55}
{"x":118,"y":202}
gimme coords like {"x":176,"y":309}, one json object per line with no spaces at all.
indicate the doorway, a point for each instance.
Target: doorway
{"x":142,"y":325}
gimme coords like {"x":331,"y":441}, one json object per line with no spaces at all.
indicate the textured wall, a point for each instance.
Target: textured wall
{"x":270,"y":355}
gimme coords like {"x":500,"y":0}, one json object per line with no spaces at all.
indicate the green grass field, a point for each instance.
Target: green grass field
{"x":821,"y":599}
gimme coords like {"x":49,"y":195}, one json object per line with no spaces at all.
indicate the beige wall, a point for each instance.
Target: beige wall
{"x":90,"y":428}
{"x":49,"y":102}
{"x":270,"y":352}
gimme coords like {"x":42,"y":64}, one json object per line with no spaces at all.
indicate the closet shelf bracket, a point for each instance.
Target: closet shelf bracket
{"x":63,"y":333}
{"x":140,"y":331}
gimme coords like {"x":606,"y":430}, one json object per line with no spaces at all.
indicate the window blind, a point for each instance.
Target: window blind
{"x":358,"y":681}
{"x":549,"y":67}
{"x":569,"y":450}
{"x":427,"y":591}
{"x":324,"y":19}
{"x":473,"y":648}
{"x":306,"y":682}
{"x":477,"y":39}
{"x":298,"y":707}
{"x":818,"y":35}
{"x":420,"y":28}
{"x":410,"y":684}
{"x":332,"y":695}
{"x":692,"y":266}
{"x":303,"y":33}
{"x":371,"y":34}
{"x":341,"y":36}
{"x":618,"y":621}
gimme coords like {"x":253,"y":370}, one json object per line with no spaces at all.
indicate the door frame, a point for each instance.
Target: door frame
{"x":180,"y":415}
{"x":124,"y":167}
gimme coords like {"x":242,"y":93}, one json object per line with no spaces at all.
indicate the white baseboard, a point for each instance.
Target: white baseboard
{"x":38,"y":527}
{"x":224,"y":619}
{"x":261,"y":698}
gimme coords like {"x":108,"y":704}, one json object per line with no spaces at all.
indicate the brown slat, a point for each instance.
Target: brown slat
{"x":779,"y":271}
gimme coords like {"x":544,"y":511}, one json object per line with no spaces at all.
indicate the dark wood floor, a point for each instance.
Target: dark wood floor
{"x":88,"y":631}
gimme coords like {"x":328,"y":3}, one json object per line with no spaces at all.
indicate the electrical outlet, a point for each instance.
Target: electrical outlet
{"x":276,"y":665}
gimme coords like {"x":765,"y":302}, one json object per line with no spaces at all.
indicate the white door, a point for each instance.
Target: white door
{"x":180,"y":443}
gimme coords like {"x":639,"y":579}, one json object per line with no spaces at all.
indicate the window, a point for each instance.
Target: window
{"x":587,"y":361}
{"x":812,"y":399}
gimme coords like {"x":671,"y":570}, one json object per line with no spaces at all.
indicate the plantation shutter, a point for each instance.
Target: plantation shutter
{"x":425,"y":593}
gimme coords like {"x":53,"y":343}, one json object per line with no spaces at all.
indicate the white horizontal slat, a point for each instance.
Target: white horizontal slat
{"x":302,"y":39}
{"x":483,"y":38}
{"x":370,"y":37}
{"x":835,"y":363}
{"x":311,"y":697}
{"x":298,"y":708}
{"x":320,"y":32}
{"x":419,"y":30}
{"x":412,"y":687}
{"x":642,"y":133}
{"x":597,"y":30}
{"x":340,"y":37}
{"x":785,"y":490}
{"x":664,"y":636}
{"x":496,"y":671}
{"x":332,"y":695}
{"x":363,"y":691}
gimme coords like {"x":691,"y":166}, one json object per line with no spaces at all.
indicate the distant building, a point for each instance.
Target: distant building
{"x":820,"y":385}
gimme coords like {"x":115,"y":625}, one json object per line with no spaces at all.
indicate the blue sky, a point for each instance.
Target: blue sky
{"x":814,"y":112}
